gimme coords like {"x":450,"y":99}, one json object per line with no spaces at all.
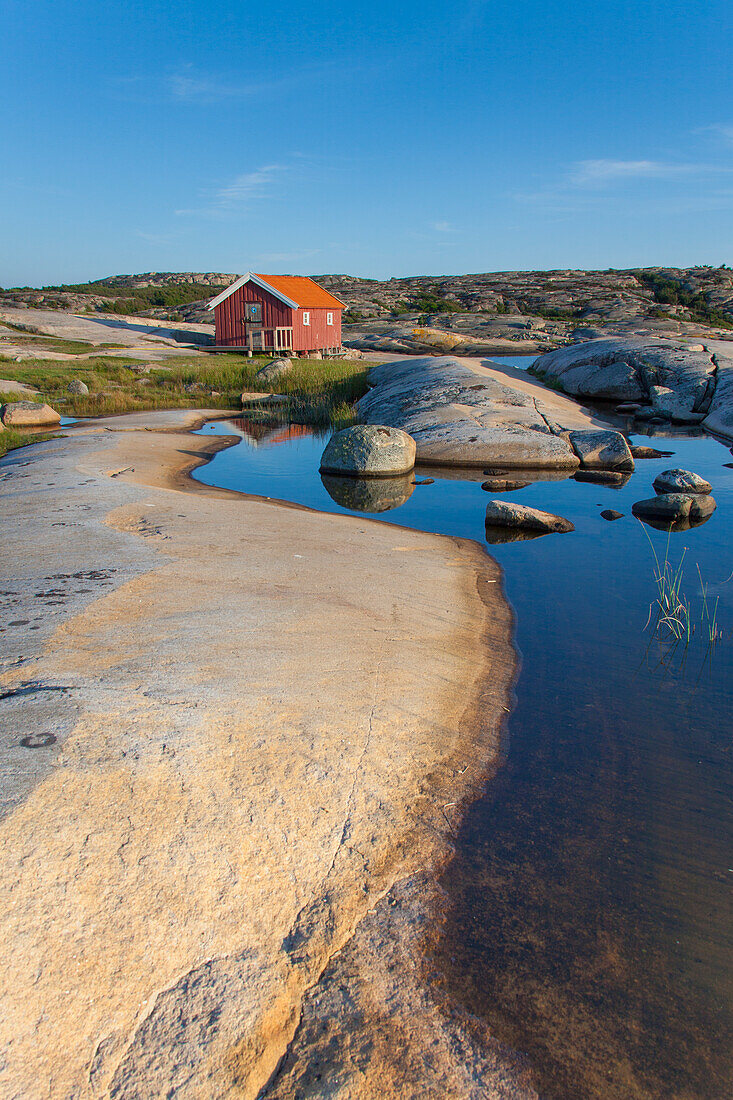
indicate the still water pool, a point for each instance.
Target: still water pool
{"x":591,"y":920}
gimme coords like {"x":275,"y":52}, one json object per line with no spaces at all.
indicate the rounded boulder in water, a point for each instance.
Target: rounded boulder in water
{"x":681,"y":481}
{"x":369,"y":450}
{"x":675,"y":507}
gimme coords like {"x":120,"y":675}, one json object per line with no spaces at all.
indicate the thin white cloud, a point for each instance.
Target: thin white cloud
{"x":723,"y":131}
{"x":442,"y":227}
{"x":589,"y":184}
{"x":189,"y":88}
{"x":594,"y":173}
{"x":237,"y":195}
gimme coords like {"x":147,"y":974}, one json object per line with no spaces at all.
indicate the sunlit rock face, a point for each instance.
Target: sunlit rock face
{"x":369,"y":450}
{"x":373,"y":494}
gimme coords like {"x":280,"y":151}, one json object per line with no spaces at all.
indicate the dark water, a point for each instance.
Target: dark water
{"x":591,"y":920}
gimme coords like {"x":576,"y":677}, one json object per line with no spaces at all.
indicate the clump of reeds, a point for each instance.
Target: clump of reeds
{"x":671,"y":611}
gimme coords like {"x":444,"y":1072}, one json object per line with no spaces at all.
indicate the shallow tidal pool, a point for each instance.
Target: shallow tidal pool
{"x":591,"y":922}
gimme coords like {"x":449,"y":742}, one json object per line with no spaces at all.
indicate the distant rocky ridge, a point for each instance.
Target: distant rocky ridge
{"x":702,"y":295}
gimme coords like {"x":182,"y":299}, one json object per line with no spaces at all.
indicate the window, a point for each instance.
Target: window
{"x":306,"y":318}
{"x":253,"y":311}
{"x":329,"y":318}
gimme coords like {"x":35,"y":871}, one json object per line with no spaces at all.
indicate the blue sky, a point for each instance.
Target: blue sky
{"x":374,"y":138}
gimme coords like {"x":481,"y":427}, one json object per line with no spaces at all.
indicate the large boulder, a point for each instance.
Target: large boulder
{"x":675,"y":507}
{"x":29,"y":414}
{"x":459,"y":416}
{"x":630,"y":369}
{"x":503,"y":513}
{"x":273,"y":369}
{"x":77,"y":387}
{"x":368,"y":450}
{"x":602,"y":450}
{"x":369,"y":494}
{"x":681,"y":481}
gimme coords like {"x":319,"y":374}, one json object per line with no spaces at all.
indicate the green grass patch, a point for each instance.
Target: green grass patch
{"x":318,"y":390}
{"x":11,"y":438}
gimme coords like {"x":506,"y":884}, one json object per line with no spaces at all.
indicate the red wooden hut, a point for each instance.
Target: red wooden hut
{"x":283,"y":314}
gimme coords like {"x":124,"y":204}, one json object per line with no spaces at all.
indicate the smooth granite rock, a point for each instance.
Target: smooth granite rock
{"x":368,"y":450}
{"x":681,"y":481}
{"x":274,"y":369}
{"x":672,"y":507}
{"x":599,"y":450}
{"x":503,"y":513}
{"x":460,"y":416}
{"x":679,"y":378}
{"x":77,"y":387}
{"x":28,"y":414}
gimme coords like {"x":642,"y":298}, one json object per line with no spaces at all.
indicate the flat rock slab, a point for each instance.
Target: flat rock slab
{"x":461,"y":414}
{"x":503,"y":513}
{"x":229,"y":728}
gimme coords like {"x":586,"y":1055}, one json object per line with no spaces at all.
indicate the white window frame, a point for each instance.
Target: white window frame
{"x":306,"y":317}
{"x":329,"y":318}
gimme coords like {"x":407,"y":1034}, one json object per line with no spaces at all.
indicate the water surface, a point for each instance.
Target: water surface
{"x":591,"y":912}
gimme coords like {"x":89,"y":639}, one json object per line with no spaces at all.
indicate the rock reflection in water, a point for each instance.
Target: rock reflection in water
{"x":369,"y":494}
{"x":496,"y":535}
{"x":674,"y":526}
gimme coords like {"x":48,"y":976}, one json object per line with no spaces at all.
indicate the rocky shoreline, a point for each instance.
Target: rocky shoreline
{"x":235,"y":731}
{"x":467,"y":413}
{"x":666,"y":380}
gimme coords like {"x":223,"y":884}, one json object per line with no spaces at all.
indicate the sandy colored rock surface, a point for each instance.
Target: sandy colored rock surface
{"x":466,"y":412}
{"x":229,"y":729}
{"x":145,"y":336}
{"x":29,"y":414}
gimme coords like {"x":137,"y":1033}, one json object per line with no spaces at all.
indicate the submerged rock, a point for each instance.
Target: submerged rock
{"x":273,"y":369}
{"x":681,"y":481}
{"x":602,"y":450}
{"x":502,"y":513}
{"x":503,"y":484}
{"x":372,"y":494}
{"x":602,"y":477}
{"x":611,"y":514}
{"x":368,"y":450}
{"x":649,"y":452}
{"x":28,"y":414}
{"x":670,"y":508}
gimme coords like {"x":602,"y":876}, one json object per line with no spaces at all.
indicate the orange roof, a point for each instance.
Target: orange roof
{"x":302,"y":290}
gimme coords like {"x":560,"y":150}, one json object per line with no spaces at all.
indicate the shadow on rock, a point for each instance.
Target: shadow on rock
{"x":373,"y":494}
